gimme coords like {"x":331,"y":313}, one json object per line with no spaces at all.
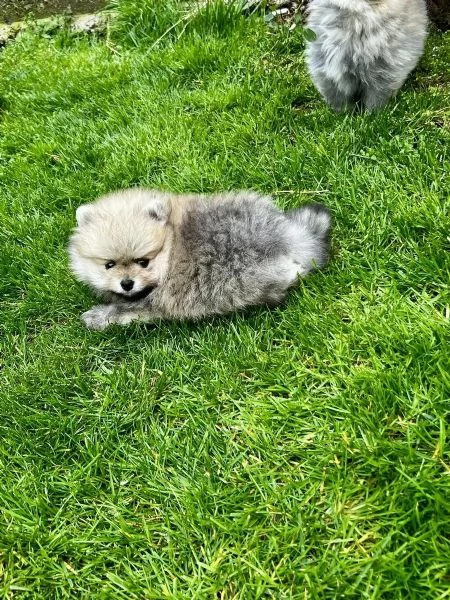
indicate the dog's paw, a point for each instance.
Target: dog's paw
{"x":98,"y":317}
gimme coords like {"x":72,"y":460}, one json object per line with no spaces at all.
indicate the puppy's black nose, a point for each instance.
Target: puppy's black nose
{"x":127,"y":284}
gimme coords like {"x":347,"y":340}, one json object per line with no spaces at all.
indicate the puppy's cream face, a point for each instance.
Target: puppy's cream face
{"x":118,"y":245}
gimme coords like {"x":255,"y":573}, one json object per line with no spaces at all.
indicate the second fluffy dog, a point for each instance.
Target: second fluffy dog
{"x":364,"y":49}
{"x":154,"y":255}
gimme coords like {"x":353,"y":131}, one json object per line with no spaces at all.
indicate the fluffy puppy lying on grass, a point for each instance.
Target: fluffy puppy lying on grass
{"x":155,"y":255}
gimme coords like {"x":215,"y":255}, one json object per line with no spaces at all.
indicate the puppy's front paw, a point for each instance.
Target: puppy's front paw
{"x":98,"y":317}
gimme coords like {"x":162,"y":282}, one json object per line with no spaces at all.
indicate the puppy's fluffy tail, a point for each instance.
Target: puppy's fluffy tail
{"x":314,"y":224}
{"x":313,"y":217}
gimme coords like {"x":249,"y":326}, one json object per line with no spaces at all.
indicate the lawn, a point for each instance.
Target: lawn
{"x":299,"y":452}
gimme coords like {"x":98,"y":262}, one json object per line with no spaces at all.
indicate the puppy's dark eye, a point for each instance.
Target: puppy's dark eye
{"x":110,"y":264}
{"x":142,"y":262}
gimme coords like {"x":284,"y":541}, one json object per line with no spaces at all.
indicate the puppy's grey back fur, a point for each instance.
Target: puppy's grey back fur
{"x":364,"y":49}
{"x":237,"y":250}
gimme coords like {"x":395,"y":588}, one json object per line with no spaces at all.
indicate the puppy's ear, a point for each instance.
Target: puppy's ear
{"x":159,"y":210}
{"x":84,"y":214}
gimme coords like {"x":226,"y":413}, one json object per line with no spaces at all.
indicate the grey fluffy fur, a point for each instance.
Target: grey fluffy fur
{"x":364,"y":49}
{"x":213,"y":255}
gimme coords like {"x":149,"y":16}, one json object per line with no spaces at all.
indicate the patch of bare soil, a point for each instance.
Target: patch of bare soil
{"x":14,"y":10}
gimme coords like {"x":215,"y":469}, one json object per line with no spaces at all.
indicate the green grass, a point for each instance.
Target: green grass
{"x":301,"y":452}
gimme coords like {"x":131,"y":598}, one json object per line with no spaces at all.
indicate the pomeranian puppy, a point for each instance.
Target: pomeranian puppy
{"x":364,"y":49}
{"x":156,"y":255}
